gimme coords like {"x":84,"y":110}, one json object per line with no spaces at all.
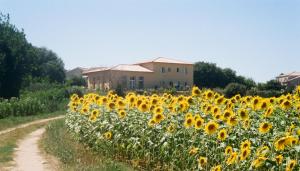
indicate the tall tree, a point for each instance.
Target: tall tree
{"x":13,"y":58}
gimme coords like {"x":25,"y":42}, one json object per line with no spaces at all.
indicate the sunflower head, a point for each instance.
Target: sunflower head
{"x":258,"y":162}
{"x":211,"y":127}
{"x":189,"y":122}
{"x":243,"y":114}
{"x":216,"y":168}
{"x":193,"y":151}
{"x":290,"y":165}
{"x":279,"y":159}
{"x":199,"y":122}
{"x":245,"y":153}
{"x":122,"y":114}
{"x":222,"y":135}
{"x":196,"y":91}
{"x":228,"y":150}
{"x":232,"y":158}
{"x":158,"y":117}
{"x":245,"y":144}
{"x":108,"y":135}
{"x":265,"y":127}
{"x":232,"y":121}
{"x":202,"y":161}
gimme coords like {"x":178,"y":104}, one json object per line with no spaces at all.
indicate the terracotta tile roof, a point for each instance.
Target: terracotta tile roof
{"x":128,"y":67}
{"x":290,"y":74}
{"x":121,"y":67}
{"x":166,"y":60}
{"x":95,"y":69}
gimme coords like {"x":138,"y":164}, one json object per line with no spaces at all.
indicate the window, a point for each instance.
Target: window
{"x":132,"y":82}
{"x":185,"y":70}
{"x":171,"y":84}
{"x":124,"y":81}
{"x":141,"y":82}
{"x":163,"y":70}
{"x":178,"y":70}
{"x":169,"y":69}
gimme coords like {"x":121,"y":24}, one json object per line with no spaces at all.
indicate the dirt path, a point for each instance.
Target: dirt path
{"x":28,"y":124}
{"x":28,"y":155}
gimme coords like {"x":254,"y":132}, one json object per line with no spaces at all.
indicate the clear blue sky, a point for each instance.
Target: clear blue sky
{"x":257,"y":38}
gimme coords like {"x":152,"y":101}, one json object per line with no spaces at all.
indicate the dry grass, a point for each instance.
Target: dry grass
{"x":73,"y":155}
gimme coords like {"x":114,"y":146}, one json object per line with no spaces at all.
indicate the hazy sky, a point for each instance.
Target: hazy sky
{"x":257,"y":38}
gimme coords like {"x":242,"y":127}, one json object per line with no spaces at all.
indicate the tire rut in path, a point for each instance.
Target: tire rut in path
{"x":28,"y":156}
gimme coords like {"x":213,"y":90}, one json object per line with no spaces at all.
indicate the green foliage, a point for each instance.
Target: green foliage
{"x":34,"y":102}
{"x":209,"y":75}
{"x":77,"y":81}
{"x":20,"y":62}
{"x":74,"y":156}
{"x":13,"y":58}
{"x":233,"y":89}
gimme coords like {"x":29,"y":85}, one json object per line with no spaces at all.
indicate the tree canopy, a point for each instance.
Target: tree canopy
{"x":19,"y":61}
{"x":209,"y":75}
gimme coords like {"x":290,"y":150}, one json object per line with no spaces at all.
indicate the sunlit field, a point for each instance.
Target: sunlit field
{"x":203,"y":131}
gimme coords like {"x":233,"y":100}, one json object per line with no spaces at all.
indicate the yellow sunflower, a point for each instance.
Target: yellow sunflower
{"x":189,"y":122}
{"x":193,"y":151}
{"x":269,"y":112}
{"x":280,"y":144}
{"x":108,"y":135}
{"x":199,"y":122}
{"x":211,"y":127}
{"x":158,"y":117}
{"x":264,"y":127}
{"x":158,"y":110}
{"x":232,"y":121}
{"x":151,"y":122}
{"x":290,"y":165}
{"x":216,"y":168}
{"x":243,"y":114}
{"x":245,"y":153}
{"x":286,"y":104}
{"x":232,"y":158}
{"x":245,"y":144}
{"x":228,"y":150}
{"x":196,"y":91}
{"x":144,"y":107}
{"x":222,"y":135}
{"x":259,"y":162}
{"x":171,"y":128}
{"x":122,"y":114}
{"x":279,"y":159}
{"x":202,"y":161}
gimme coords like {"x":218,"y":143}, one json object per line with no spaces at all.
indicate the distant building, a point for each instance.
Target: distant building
{"x":76,"y":72}
{"x":160,"y":72}
{"x":290,"y":79}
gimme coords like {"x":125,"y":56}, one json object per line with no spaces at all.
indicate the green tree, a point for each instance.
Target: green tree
{"x":13,"y":58}
{"x":47,"y":65}
{"x":233,"y":89}
{"x":209,"y":75}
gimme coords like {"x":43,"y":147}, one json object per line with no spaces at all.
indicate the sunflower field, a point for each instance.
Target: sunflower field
{"x":203,"y":131}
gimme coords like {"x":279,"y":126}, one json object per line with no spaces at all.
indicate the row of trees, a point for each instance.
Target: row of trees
{"x":226,"y":81}
{"x":22,"y":63}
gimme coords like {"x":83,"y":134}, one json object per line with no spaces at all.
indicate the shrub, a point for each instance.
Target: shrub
{"x":234,"y":88}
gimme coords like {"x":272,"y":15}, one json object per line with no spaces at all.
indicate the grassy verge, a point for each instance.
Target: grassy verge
{"x":8,"y":142}
{"x":73,"y":155}
{"x":17,"y":120}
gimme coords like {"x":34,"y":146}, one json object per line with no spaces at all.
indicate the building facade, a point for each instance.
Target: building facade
{"x":290,"y":79}
{"x":158,"y":73}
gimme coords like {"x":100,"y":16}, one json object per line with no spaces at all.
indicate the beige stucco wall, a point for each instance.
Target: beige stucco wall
{"x":165,"y":78}
{"x":110,"y":79}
